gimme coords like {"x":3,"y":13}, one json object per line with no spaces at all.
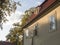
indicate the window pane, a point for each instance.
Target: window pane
{"x":52,"y":23}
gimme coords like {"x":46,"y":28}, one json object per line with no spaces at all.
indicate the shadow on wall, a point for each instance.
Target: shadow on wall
{"x":49,"y":38}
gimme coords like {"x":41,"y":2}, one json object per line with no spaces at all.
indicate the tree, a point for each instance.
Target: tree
{"x":25,"y":17}
{"x":28,"y":13}
{"x":6,"y":7}
{"x":13,"y":35}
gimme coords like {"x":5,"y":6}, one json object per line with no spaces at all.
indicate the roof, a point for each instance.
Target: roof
{"x":5,"y":43}
{"x":42,"y":8}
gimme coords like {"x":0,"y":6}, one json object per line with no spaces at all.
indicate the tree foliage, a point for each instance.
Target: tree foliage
{"x":15,"y":33}
{"x":24,"y":19}
{"x":28,"y":13}
{"x":6,"y":7}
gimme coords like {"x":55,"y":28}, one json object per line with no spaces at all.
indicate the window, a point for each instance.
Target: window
{"x":52,"y":23}
{"x":35,"y":29}
{"x":26,"y":31}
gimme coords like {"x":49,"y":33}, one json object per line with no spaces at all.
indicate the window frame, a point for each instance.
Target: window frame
{"x":53,"y":23}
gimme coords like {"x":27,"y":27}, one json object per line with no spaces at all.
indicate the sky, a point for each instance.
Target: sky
{"x":16,"y":17}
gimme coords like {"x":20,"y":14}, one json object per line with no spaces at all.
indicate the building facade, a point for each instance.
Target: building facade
{"x":44,"y":29}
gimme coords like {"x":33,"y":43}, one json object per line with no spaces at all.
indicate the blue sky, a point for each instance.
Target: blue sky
{"x":26,"y":4}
